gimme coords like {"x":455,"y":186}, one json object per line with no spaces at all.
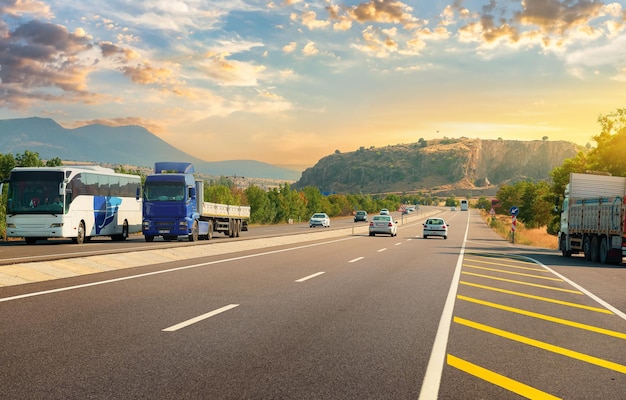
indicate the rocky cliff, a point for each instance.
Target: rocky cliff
{"x":442,"y":166}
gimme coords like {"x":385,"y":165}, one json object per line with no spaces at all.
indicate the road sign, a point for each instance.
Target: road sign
{"x":514,"y":211}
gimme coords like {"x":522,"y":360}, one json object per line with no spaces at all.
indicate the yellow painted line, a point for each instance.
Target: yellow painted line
{"x":546,"y":299}
{"x":544,"y":317}
{"x":522,"y":283}
{"x":511,"y":258}
{"x":544,"y":346}
{"x":509,"y":384}
{"x":513,"y":273}
{"x":508,"y":265}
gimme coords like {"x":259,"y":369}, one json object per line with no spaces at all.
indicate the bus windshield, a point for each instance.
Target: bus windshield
{"x":164,"y":191}
{"x":35,"y":192}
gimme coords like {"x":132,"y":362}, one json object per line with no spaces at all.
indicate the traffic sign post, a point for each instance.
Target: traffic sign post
{"x":513,"y":211}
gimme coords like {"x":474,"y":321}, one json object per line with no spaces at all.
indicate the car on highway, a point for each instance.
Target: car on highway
{"x":435,"y":227}
{"x":360,"y":216}
{"x":384,"y":211}
{"x":383,"y":224}
{"x":319,"y":219}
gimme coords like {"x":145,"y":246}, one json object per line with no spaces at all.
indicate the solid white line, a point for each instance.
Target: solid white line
{"x":356,"y":259}
{"x":432,"y":378}
{"x":199,"y":318}
{"x":306,"y":278}
{"x":165,"y":271}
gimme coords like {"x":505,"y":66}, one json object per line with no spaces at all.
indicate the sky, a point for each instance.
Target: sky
{"x":288,"y":82}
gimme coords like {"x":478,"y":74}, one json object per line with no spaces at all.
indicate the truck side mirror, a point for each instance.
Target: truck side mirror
{"x":192,"y":192}
{"x":138,"y":193}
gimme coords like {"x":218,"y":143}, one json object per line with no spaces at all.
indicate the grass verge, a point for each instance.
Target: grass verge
{"x":537,"y":237}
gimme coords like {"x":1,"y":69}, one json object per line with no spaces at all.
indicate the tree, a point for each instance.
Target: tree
{"x":54,"y":162}
{"x":28,"y":159}
{"x":260,"y":210}
{"x":611,"y":144}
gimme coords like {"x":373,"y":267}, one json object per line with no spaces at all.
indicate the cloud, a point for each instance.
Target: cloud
{"x":44,"y":56}
{"x":386,"y":11}
{"x":229,"y":72}
{"x":310,"y":49}
{"x":18,"y":8}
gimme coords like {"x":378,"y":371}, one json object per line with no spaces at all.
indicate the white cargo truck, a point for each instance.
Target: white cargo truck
{"x":592,"y":218}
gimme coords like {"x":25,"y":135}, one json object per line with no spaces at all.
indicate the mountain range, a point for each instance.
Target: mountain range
{"x":124,"y":145}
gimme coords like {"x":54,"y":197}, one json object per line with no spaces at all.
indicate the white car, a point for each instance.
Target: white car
{"x":319,"y":219}
{"x":435,"y":227}
{"x":384,"y":211}
{"x":383,"y":224}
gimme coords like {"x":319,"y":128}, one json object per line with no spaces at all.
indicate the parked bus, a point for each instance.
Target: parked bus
{"x":72,"y":202}
{"x":464,"y":205}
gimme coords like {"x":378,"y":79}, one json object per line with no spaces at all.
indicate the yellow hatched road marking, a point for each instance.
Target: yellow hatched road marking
{"x":522,"y":283}
{"x":544,"y":317}
{"x":510,"y":258}
{"x":542,"y":345}
{"x":509,"y":384}
{"x":546,"y":299}
{"x":508,"y":265}
{"x":513,"y":273}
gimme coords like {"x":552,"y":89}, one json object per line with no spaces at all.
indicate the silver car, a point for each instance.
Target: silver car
{"x":435,"y":227}
{"x":319,"y":219}
{"x":383,"y":224}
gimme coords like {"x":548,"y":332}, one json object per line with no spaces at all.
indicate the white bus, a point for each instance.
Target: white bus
{"x":464,"y":205}
{"x":72,"y":202}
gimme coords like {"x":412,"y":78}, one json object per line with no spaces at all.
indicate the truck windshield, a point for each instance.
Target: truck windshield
{"x":166,"y":191}
{"x":35,"y":192}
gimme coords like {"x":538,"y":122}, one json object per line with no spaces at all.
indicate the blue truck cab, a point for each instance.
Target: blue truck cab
{"x":170,"y":204}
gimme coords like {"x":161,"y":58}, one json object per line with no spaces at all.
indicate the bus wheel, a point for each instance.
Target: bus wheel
{"x":80,"y":235}
{"x":123,"y":235}
{"x":30,"y":240}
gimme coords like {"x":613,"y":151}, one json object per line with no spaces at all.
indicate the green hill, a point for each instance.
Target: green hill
{"x":457,"y":166}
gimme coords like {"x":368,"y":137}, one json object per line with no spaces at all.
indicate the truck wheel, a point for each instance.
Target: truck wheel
{"x":193,"y":237}
{"x":231,"y":228}
{"x":587,"y":248}
{"x":604,"y":251}
{"x":595,"y":249}
{"x":209,"y":235}
{"x":237,"y":228}
{"x":149,"y":238}
{"x":562,"y":246}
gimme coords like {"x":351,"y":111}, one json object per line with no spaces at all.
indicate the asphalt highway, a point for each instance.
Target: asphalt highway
{"x":331,"y":314}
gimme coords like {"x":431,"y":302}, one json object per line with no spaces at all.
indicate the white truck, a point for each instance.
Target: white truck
{"x":173,"y":206}
{"x":592,"y":218}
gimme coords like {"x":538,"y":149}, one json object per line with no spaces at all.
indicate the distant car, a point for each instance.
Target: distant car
{"x":384,"y":211}
{"x":319,"y":219}
{"x":383,"y":224}
{"x":360,"y":216}
{"x":435,"y":227}
{"x":452,"y":208}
